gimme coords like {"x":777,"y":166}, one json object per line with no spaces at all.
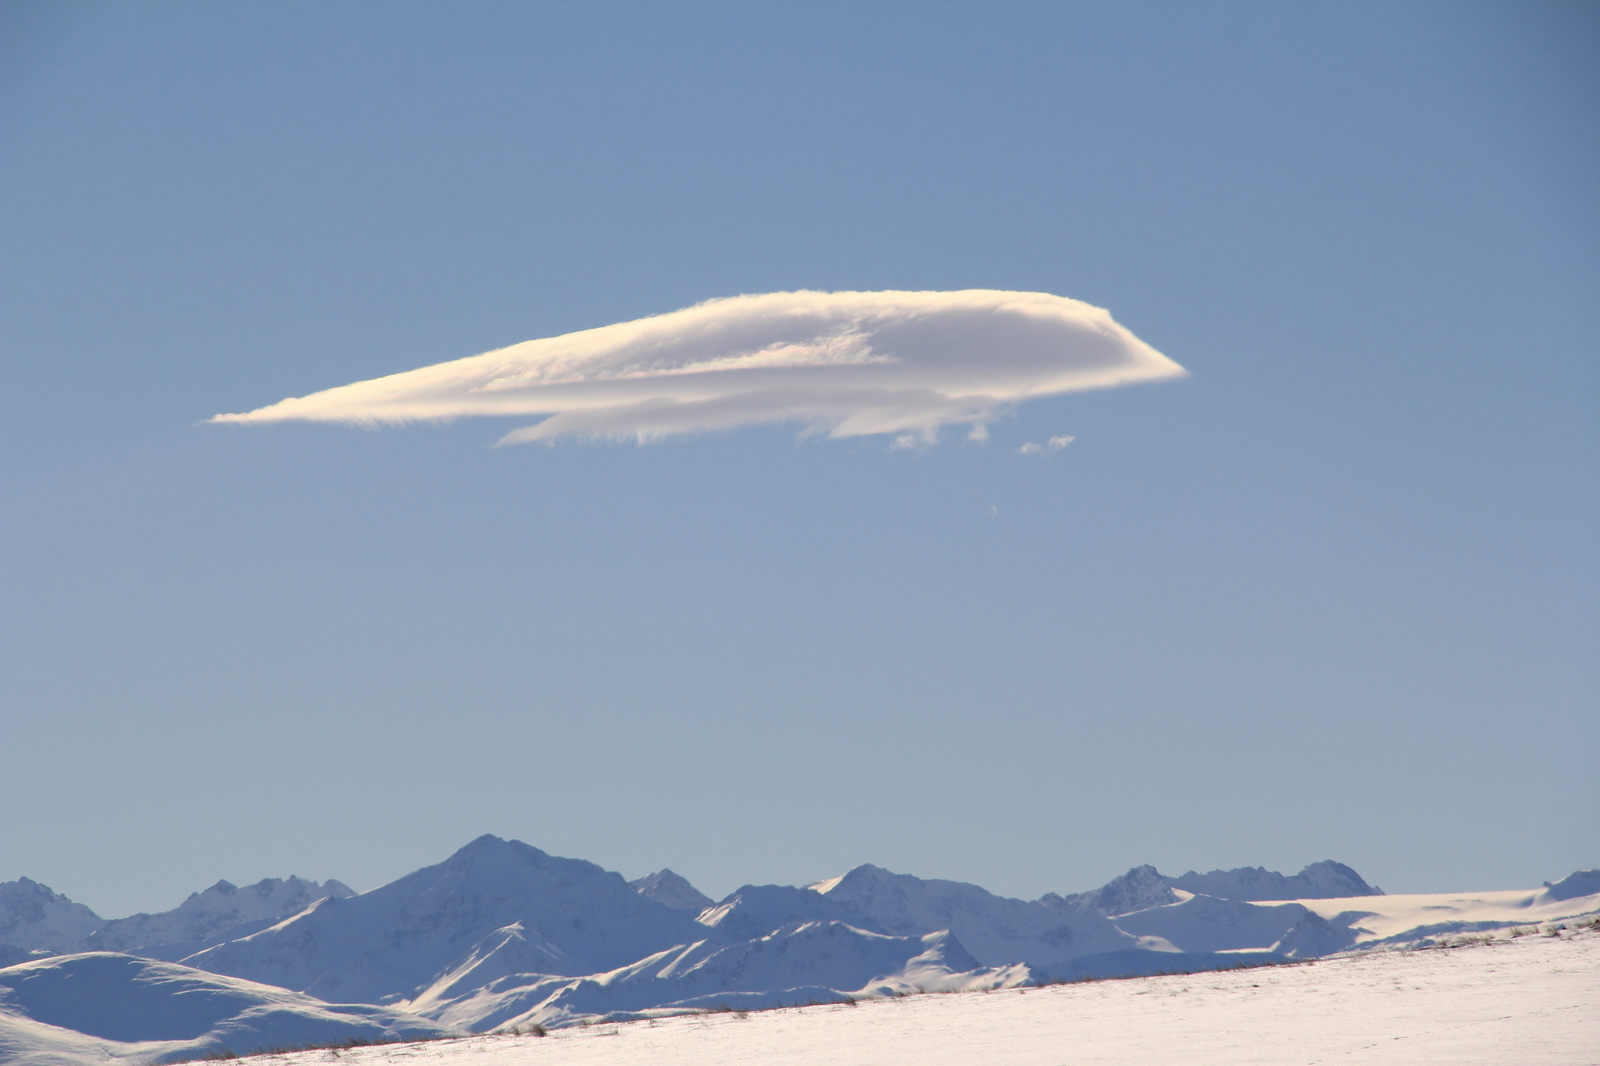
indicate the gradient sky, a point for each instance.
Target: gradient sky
{"x":1333,"y":596}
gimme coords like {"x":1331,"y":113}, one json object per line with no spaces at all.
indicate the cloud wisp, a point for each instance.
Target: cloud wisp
{"x":844,"y":364}
{"x":1054,"y":444}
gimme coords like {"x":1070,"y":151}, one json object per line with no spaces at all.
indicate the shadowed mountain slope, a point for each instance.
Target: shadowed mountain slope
{"x":48,"y":1007}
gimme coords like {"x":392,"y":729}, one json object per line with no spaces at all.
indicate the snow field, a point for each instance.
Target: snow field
{"x":1528,"y":1000}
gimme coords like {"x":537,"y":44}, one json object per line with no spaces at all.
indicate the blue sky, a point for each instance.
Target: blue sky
{"x":1333,"y":596}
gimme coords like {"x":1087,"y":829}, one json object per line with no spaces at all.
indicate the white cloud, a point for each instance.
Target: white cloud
{"x":1054,"y":444}
{"x":845,"y":364}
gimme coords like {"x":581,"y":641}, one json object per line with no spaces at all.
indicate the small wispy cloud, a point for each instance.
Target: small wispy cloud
{"x":845,"y":364}
{"x":1054,"y":444}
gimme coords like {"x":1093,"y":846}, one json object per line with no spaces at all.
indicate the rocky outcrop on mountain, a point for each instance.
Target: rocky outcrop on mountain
{"x":221,"y":913}
{"x":34,"y":918}
{"x":675,"y":891}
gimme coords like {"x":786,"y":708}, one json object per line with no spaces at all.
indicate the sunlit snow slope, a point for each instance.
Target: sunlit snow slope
{"x":1525,"y":1001}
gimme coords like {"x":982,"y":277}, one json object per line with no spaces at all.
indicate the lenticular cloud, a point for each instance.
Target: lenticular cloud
{"x":845,"y":363}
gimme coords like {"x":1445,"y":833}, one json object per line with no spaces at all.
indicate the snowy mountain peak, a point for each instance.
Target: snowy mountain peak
{"x":995,"y":929}
{"x":1320,"y":880}
{"x":1140,"y":887}
{"x":489,"y":843}
{"x":675,"y":891}
{"x":35,"y":918}
{"x":575,"y":918}
{"x":222,"y":912}
{"x":756,"y":910}
{"x":1145,"y":886}
{"x":858,"y":876}
{"x":491,"y":859}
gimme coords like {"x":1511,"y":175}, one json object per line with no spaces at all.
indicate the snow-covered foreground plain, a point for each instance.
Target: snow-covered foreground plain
{"x":1520,"y":1001}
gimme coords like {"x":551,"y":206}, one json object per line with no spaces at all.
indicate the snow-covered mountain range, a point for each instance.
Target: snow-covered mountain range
{"x":502,"y":935}
{"x":33,"y":918}
{"x":221,"y":913}
{"x":36,"y":921}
